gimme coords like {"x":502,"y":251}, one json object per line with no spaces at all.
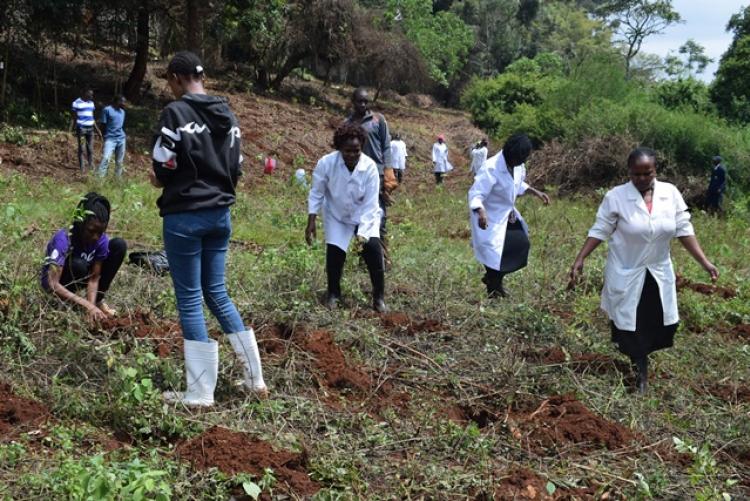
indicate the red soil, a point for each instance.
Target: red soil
{"x":336,"y":371}
{"x":563,"y":420}
{"x":522,"y":483}
{"x":707,"y":289}
{"x":235,"y":452}
{"x":741,"y":331}
{"x":165,"y":335}
{"x":274,"y":339}
{"x":733,"y":393}
{"x":399,"y":321}
{"x":18,"y":414}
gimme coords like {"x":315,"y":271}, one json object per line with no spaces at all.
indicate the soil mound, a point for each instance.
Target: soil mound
{"x":398,"y":321}
{"x":563,"y":420}
{"x":165,"y":335}
{"x":707,"y":289}
{"x":741,"y":331}
{"x":235,"y":452}
{"x":18,"y":414}
{"x":522,"y":483}
{"x":337,"y":372}
{"x":274,"y":339}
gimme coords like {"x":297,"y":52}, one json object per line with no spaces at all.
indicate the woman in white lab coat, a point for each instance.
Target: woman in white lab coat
{"x":639,"y":219}
{"x":346,"y":184}
{"x":478,"y":156}
{"x":499,"y":234}
{"x":440,"y":162}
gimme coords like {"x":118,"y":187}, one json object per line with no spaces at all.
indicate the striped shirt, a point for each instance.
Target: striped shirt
{"x":84,"y":111}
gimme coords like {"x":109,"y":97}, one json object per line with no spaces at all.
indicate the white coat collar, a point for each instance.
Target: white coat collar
{"x":361,"y":164}
{"x":634,"y":195}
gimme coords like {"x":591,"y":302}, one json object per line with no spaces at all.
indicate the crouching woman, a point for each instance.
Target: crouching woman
{"x":346,"y":185}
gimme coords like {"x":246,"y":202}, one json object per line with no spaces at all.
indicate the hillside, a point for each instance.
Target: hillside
{"x":450,"y":396}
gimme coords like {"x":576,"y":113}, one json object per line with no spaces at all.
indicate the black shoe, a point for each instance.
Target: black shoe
{"x":332,"y":301}
{"x":379,"y":305}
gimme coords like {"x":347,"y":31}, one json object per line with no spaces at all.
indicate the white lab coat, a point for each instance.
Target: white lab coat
{"x":478,"y":157}
{"x":349,"y":200}
{"x":639,"y":241}
{"x":440,"y":158}
{"x":495,"y":190}
{"x":398,"y":154}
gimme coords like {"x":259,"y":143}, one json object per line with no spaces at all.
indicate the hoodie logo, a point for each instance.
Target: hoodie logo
{"x":193,"y":128}
{"x":234,"y":133}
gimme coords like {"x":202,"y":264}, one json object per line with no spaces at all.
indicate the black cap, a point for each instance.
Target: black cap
{"x":185,"y":63}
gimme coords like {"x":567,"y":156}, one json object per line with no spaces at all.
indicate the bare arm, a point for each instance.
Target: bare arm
{"x":691,"y":244}
{"x":310,"y":232}
{"x":576,"y":270}
{"x":53,"y":275}
{"x":93,"y":284}
{"x":539,"y":194}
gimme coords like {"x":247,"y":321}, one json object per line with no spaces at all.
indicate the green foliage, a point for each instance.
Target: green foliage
{"x":443,"y":38}
{"x":13,"y":135}
{"x":688,"y":93}
{"x":730,"y":91}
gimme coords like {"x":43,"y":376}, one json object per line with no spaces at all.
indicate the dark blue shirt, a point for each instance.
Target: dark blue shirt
{"x":718,"y":183}
{"x":113,"y":119}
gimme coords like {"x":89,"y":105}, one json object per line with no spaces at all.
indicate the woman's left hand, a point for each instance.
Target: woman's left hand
{"x":543,"y":197}
{"x":712,"y":270}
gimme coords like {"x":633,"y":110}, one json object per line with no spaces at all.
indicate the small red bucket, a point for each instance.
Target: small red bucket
{"x":269,"y":165}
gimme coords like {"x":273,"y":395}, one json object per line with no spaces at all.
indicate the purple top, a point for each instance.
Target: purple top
{"x":59,"y":247}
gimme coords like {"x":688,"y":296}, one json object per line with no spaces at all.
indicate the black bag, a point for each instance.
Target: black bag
{"x":155,"y":261}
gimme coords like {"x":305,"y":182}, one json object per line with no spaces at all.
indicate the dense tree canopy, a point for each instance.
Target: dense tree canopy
{"x":731,"y":90}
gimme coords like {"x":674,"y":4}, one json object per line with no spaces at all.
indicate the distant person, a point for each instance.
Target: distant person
{"x":84,"y":257}
{"x":378,"y":147}
{"x":639,"y":219}
{"x":197,"y":161}
{"x":346,"y":186}
{"x":84,"y":124}
{"x":478,"y":156}
{"x":716,"y":186}
{"x":440,"y":162}
{"x":499,"y":234}
{"x":300,"y":178}
{"x":399,"y":154}
{"x":113,"y":120}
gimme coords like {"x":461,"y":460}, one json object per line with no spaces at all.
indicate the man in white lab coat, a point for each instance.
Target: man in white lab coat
{"x":346,"y":185}
{"x":639,"y":219}
{"x":499,"y":234}
{"x":399,"y":154}
{"x":440,"y":162}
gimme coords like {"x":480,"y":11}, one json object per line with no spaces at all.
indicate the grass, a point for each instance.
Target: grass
{"x":48,"y":352}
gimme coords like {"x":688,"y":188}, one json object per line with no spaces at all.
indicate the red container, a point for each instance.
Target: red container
{"x":269,"y":166}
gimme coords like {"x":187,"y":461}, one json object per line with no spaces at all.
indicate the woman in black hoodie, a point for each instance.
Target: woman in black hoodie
{"x":196,"y":160}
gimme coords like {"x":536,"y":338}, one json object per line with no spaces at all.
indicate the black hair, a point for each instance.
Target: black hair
{"x":358,"y":90}
{"x":396,"y":136}
{"x":517,"y":149}
{"x":91,"y":206}
{"x":640,"y":152}
{"x":118,"y":98}
{"x":185,"y":63}
{"x":346,"y":131}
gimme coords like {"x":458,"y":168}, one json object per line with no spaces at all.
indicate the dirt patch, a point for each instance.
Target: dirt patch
{"x":274,"y":339}
{"x":521,"y":484}
{"x":595,"y":363}
{"x":165,"y":335}
{"x":235,"y":452}
{"x":462,"y":234}
{"x":335,"y":371}
{"x":707,"y":289}
{"x":18,"y":414}
{"x":739,"y":331}
{"x":401,"y":322}
{"x":733,"y":393}
{"x":562,"y":420}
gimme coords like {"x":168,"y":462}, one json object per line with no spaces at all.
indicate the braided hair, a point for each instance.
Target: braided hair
{"x":91,"y":206}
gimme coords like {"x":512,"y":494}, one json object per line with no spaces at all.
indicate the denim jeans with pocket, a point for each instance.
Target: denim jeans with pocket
{"x":196,"y":243}
{"x":116,"y":147}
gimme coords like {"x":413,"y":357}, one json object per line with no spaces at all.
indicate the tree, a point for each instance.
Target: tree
{"x":636,"y":20}
{"x":566,"y":30}
{"x":132,"y":87}
{"x":730,"y":91}
{"x":695,"y":56}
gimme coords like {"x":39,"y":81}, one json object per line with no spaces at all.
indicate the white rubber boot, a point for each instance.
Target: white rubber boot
{"x":246,"y":348}
{"x":201,"y":371}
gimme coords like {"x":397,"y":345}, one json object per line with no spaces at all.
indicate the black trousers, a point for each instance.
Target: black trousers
{"x":75,"y":272}
{"x":438,"y":178}
{"x":384,"y":207}
{"x":85,"y":135}
{"x":373,"y":256}
{"x":399,"y":175}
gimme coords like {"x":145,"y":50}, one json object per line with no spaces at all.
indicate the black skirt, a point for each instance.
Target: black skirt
{"x":515,"y":249}
{"x":650,"y":332}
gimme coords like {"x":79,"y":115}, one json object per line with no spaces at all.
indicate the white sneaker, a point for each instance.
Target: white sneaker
{"x":201,"y":371}
{"x":246,"y":348}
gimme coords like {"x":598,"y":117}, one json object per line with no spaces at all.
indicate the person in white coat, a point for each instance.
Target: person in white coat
{"x":440,"y":162}
{"x":499,"y":234}
{"x":639,"y":219}
{"x":346,"y":185}
{"x":478,"y":156}
{"x":399,"y":154}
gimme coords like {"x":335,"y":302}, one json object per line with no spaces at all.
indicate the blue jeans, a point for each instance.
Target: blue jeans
{"x":116,"y":146}
{"x":196,"y":243}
